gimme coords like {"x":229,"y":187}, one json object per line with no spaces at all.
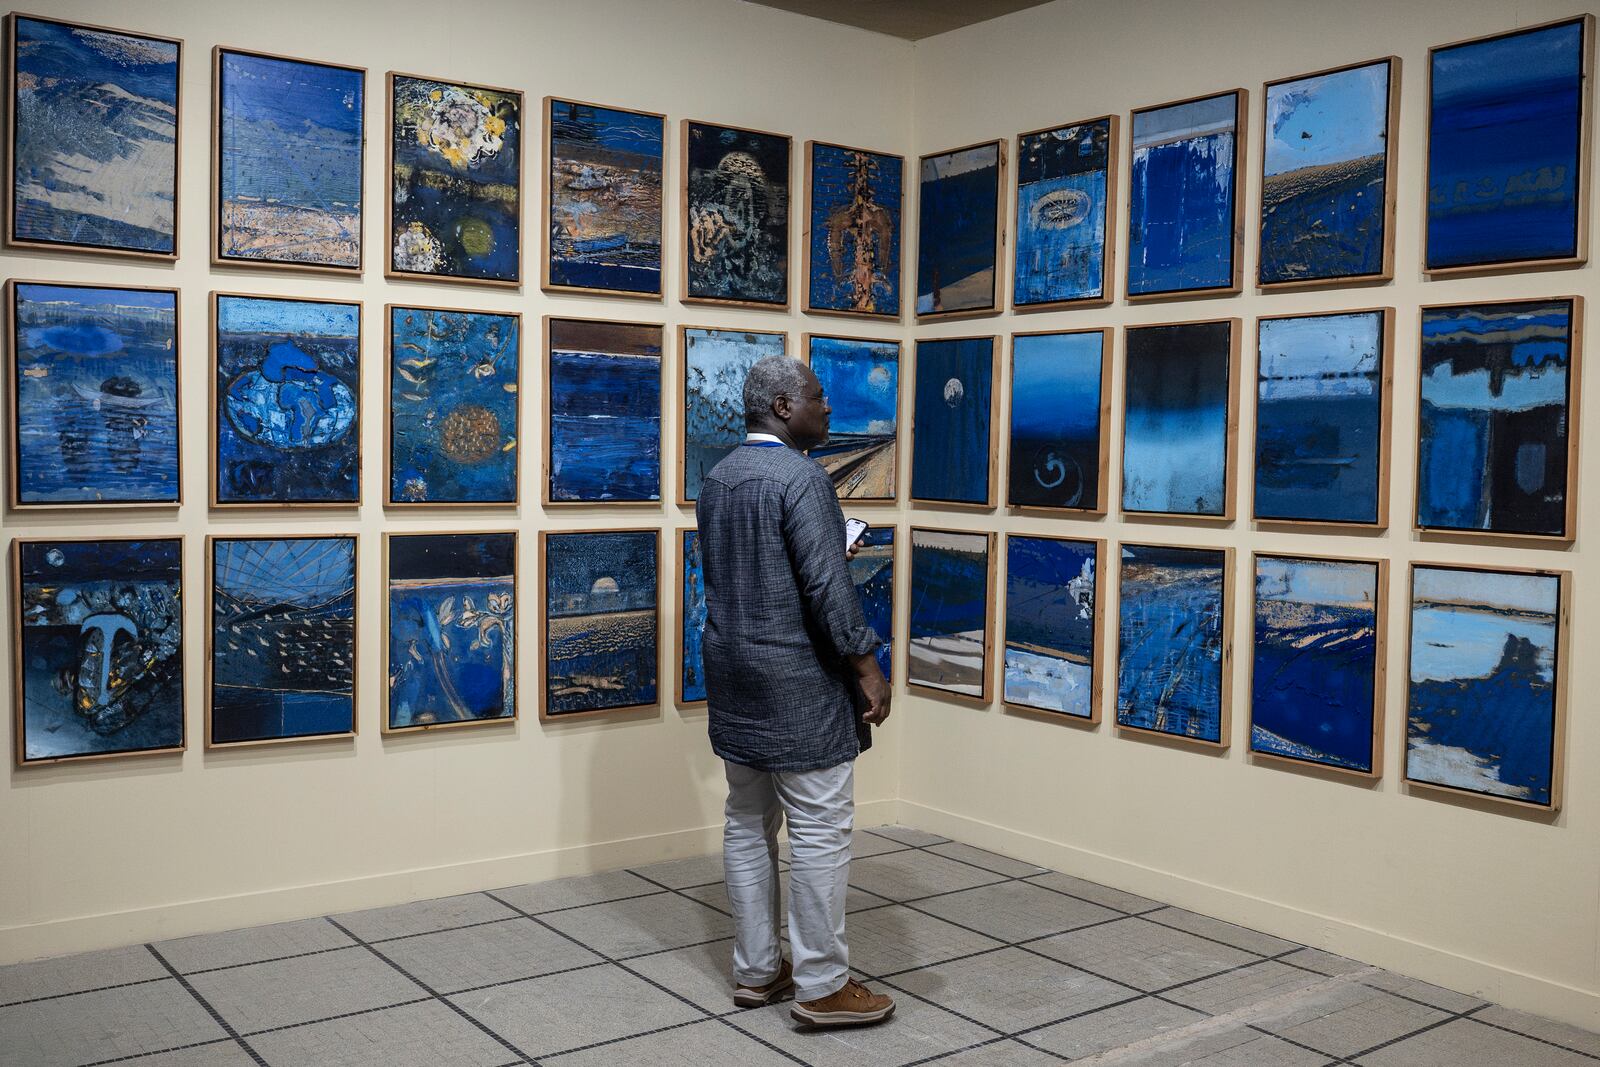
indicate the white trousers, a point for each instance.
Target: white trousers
{"x":820,"y":808}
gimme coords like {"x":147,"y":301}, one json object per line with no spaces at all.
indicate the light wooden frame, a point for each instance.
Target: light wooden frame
{"x":899,"y":347}
{"x":1380,"y":666}
{"x":1385,"y":419}
{"x":1241,"y":122}
{"x":11,"y":239}
{"x":1108,"y":251}
{"x":1569,"y":520}
{"x":213,"y":303}
{"x":547,"y":212}
{"x":12,"y":389}
{"x":679,"y":534}
{"x":1230,"y":477}
{"x":545,"y":715}
{"x":997,"y":301}
{"x":1391,"y":127}
{"x":809,"y":223}
{"x":18,"y":691}
{"x":1558,"y":746}
{"x":988,"y":502}
{"x":682,"y":377}
{"x":386,"y":726}
{"x":1580,"y":254}
{"x":1097,"y":641}
{"x":1104,"y":408}
{"x":389,"y":270}
{"x":686,"y":297}
{"x":986,"y":697}
{"x":355,"y":644}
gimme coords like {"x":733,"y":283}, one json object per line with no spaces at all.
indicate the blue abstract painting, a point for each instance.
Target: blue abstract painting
{"x":1170,"y":637}
{"x":1324,"y":195}
{"x":958,"y":235}
{"x":289,"y":151}
{"x":1057,"y":383}
{"x":1505,"y":160}
{"x":861,"y":380}
{"x":715,"y":363}
{"x":1184,"y":196}
{"x":952,"y":415}
{"x":96,"y":395}
{"x":605,"y":411}
{"x":283,"y":639}
{"x":1063,"y":195}
{"x":1176,"y":403}
{"x":94,"y":160}
{"x":1481,"y":707}
{"x":737,"y":215}
{"x":288,"y":388}
{"x":454,"y":386}
{"x":1495,"y":418}
{"x":949,"y":626}
{"x":872,"y":571}
{"x":600,"y":632}
{"x":1051,"y":614}
{"x":99,"y":628}
{"x":691,"y":619}
{"x":605,"y":199}
{"x":1315,"y":676}
{"x":1319,"y":418}
{"x":853,"y":240}
{"x":452,"y":629}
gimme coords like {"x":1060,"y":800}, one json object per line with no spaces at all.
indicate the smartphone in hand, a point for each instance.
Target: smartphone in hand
{"x":854,"y":530}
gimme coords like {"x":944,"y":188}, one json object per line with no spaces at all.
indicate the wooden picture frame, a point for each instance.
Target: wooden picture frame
{"x":682,"y":390}
{"x":988,"y":503}
{"x":1108,"y":256}
{"x":1099,"y":505}
{"x":680,"y":536}
{"x":996,"y":294}
{"x":899,"y":458}
{"x":685,"y":296}
{"x":1096,"y":642}
{"x":808,"y":229}
{"x":985,"y":696}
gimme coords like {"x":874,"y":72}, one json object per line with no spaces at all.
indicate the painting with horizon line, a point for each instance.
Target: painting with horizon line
{"x":861,"y":379}
{"x":736,"y":215}
{"x":950,"y":612}
{"x":958,"y":231}
{"x":604,"y":187}
{"x":1183,"y":197}
{"x":1052,"y":621}
{"x":855,"y":200}
{"x":1495,"y":427}
{"x":94,"y":389}
{"x":1171,"y":666}
{"x":1482,"y":700}
{"x":290,"y":144}
{"x":1506,"y":164}
{"x":715,"y":362}
{"x":94,"y":138}
{"x":1177,"y":400}
{"x":1055,"y":455}
{"x":1324,"y":193}
{"x":288,"y":401}
{"x":1063,"y":210}
{"x":1317,"y":661}
{"x":604,"y":392}
{"x":952,"y":427}
{"x":452,"y":629}
{"x":283,"y":639}
{"x":600,"y":620}
{"x":99,"y":641}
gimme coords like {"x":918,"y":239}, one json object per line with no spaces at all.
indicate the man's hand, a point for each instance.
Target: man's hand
{"x":874,"y":688}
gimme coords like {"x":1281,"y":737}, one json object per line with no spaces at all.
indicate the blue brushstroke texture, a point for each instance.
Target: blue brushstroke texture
{"x":956,"y":227}
{"x":1180,"y":226}
{"x":1169,"y":665}
{"x":948,"y":590}
{"x":605,"y":427}
{"x":692,"y":625}
{"x":1041,"y":608}
{"x":831,"y":190}
{"x":950,"y":450}
{"x":1061,"y":214}
{"x":600,"y":580}
{"x":1175,"y":433}
{"x":1055,"y":420}
{"x":715,"y":365}
{"x":620,"y":139}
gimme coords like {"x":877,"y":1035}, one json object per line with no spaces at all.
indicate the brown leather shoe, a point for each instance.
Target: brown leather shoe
{"x":755,"y":996}
{"x":853,"y":1005}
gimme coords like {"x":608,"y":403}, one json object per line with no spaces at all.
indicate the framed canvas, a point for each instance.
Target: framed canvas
{"x":1180,"y":419}
{"x":1327,"y":176}
{"x":1066,"y":207}
{"x":851,"y":249}
{"x":603,"y":385}
{"x":960,"y":228}
{"x":1508,"y":149}
{"x":736,"y":192}
{"x":601,"y":621}
{"x":1174,"y":643}
{"x":97,"y":647}
{"x":1052,"y":626}
{"x":1497,"y":431}
{"x":288,"y":148}
{"x":109,"y":185}
{"x":1323,"y":385}
{"x":1185,"y":219}
{"x":1317,"y":665}
{"x":1060,"y":419}
{"x":450,"y":627}
{"x":715,"y":362}
{"x":872,"y":571}
{"x":285,"y":401}
{"x":1486,"y":699}
{"x":951,"y":628}
{"x":454,"y":388}
{"x":281,"y":645}
{"x":454,"y":181}
{"x":861,"y":378}
{"x":92,"y":396}
{"x":953,"y":439}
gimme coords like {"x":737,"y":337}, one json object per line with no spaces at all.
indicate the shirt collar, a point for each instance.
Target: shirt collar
{"x":753,"y":437}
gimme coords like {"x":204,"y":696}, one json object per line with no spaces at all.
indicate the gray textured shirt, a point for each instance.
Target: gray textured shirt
{"x":781,"y":614}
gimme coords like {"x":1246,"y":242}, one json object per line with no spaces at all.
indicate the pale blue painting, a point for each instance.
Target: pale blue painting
{"x":861,"y":380}
{"x":1056,"y":388}
{"x":605,"y":411}
{"x":1050,"y":658}
{"x":600,"y":633}
{"x":949,"y":624}
{"x":952,"y":414}
{"x":1183,"y":196}
{"x":1062,"y":199}
{"x":1176,"y":400}
{"x":1169,"y":651}
{"x":715,"y":363}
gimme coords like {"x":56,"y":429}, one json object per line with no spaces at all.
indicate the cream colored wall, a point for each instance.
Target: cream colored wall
{"x":1481,"y":901}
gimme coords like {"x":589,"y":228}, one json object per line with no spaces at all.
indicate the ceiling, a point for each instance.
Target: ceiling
{"x":910,"y":19}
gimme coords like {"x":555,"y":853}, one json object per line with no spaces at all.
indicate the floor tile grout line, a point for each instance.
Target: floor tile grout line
{"x":683,"y":893}
{"x":1264,"y":1032}
{"x":1079,"y":1015}
{"x":335,"y":1018}
{"x":85,"y":992}
{"x":727,"y":1021}
{"x":1424,"y":1003}
{"x":1471,"y":1015}
{"x":937,"y":1056}
{"x":216,"y":1016}
{"x":1217,"y":940}
{"x":158,"y":1052}
{"x":608,"y":1042}
{"x":1450,"y":1017}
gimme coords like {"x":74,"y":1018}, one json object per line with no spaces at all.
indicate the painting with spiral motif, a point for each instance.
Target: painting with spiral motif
{"x":736,"y":215}
{"x":1058,"y":452}
{"x":852,"y":242}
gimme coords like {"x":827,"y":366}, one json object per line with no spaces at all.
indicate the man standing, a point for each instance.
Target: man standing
{"x":791,"y":686}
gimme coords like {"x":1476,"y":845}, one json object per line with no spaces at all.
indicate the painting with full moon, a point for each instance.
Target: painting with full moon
{"x":953,"y":440}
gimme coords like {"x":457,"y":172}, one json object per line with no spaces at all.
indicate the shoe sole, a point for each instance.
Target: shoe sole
{"x":761,"y":1000}
{"x":839,"y":1018}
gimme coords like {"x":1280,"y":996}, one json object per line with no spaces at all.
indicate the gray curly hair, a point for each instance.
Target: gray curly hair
{"x":771,"y":377}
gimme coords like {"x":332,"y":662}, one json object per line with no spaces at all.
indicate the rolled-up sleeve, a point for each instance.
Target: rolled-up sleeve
{"x":813,"y":530}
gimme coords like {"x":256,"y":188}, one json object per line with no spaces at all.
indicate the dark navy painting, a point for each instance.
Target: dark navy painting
{"x":605,"y":411}
{"x":949,"y":624}
{"x":737,"y":223}
{"x":600,"y":636}
{"x":952,"y":414}
{"x":1057,"y":381}
{"x":1062,"y":201}
{"x":605,"y":199}
{"x":1050,"y":658}
{"x":861,"y":379}
{"x":958,"y":231}
{"x":872,"y":571}
{"x":1170,"y":638}
{"x":1175,"y":419}
{"x":854,"y":235}
{"x":691,"y":620}
{"x":715,"y":363}
{"x":1183,"y":198}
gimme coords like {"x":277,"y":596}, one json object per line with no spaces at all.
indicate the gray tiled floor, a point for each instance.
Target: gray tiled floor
{"x":994,"y":962}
